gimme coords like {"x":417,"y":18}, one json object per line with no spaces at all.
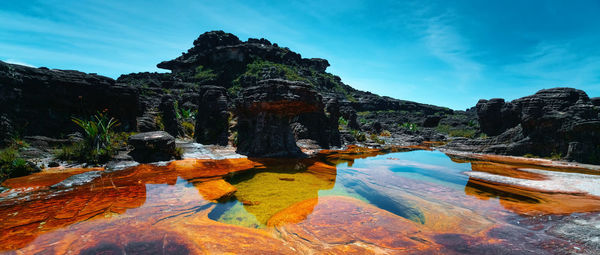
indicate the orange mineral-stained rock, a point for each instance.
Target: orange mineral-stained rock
{"x":215,"y":190}
{"x":505,"y":170}
{"x":531,"y":202}
{"x":293,"y":214}
{"x":340,"y":222}
{"x":46,"y":178}
{"x":184,"y":231}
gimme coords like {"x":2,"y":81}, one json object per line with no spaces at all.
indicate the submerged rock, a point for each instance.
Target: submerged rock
{"x":78,"y":179}
{"x":152,"y":146}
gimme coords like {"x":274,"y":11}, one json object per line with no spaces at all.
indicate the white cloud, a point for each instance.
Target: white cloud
{"x":564,"y":63}
{"x":445,"y":43}
{"x":17,"y":62}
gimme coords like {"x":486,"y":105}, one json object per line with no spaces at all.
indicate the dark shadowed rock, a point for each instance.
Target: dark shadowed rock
{"x":595,"y":101}
{"x":320,"y":126}
{"x":42,"y":101}
{"x":264,"y":114}
{"x":431,"y":121}
{"x":6,"y":130}
{"x":496,"y":116}
{"x":152,"y":146}
{"x":169,"y":116}
{"x":558,"y":122}
{"x":212,"y":121}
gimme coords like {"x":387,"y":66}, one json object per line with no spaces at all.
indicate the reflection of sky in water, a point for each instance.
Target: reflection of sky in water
{"x":426,"y":166}
{"x":430,"y":166}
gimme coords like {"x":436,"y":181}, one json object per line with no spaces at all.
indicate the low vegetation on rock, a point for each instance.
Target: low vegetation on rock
{"x":98,"y":145}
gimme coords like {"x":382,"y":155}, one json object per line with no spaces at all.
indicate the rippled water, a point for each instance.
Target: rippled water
{"x":360,"y":201}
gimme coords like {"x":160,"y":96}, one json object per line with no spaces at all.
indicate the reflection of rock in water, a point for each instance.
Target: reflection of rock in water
{"x":436,"y":207}
{"x":476,"y":189}
{"x":396,"y":204}
{"x":280,"y":185}
{"x":22,"y":220}
{"x":531,"y":202}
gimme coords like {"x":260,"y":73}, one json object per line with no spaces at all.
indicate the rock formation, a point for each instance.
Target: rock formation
{"x":42,"y":101}
{"x":168,"y":113}
{"x":152,"y":146}
{"x":212,"y":120}
{"x":558,"y":122}
{"x":264,"y":114}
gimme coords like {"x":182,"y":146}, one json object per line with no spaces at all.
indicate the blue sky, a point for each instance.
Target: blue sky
{"x":448,"y":53}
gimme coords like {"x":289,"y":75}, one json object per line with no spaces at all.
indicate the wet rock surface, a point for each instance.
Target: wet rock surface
{"x":152,"y":146}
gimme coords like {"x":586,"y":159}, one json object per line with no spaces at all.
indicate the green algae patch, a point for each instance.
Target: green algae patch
{"x":266,"y":193}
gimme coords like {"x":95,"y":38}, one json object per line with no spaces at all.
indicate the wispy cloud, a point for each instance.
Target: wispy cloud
{"x":444,"y":42}
{"x":17,"y":62}
{"x":564,"y":63}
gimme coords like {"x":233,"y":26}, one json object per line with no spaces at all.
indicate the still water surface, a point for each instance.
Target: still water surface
{"x":419,"y":202}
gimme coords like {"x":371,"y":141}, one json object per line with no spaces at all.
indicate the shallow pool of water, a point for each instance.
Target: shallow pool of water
{"x":357,"y":201}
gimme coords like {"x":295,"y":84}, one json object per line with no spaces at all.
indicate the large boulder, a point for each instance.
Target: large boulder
{"x":558,"y":122}
{"x":42,"y":101}
{"x":212,"y":120}
{"x":264,"y":115}
{"x":152,"y":146}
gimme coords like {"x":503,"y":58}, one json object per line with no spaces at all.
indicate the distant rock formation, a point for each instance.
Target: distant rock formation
{"x":557,"y":122}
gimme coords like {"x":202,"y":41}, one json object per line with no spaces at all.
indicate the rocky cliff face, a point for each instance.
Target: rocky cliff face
{"x":41,"y":101}
{"x":212,"y":120}
{"x":272,"y":97}
{"x":558,"y":122}
{"x":265,"y":112}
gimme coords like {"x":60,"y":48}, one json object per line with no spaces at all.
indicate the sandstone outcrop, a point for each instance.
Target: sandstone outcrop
{"x":168,"y":113}
{"x":557,"y":122}
{"x":212,"y":120}
{"x":264,"y":115}
{"x":42,"y":101}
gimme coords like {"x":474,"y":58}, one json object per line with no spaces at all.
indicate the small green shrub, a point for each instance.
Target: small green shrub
{"x":467,"y":133}
{"x":234,"y":138}
{"x":205,"y":73}
{"x":12,"y":165}
{"x":444,"y":129}
{"x":410,"y":126}
{"x":188,"y":128}
{"x":158,"y":120}
{"x":342,"y":122}
{"x":376,"y":139}
{"x":98,"y":144}
{"x":235,"y":89}
{"x":257,"y":67}
{"x":529,"y":155}
{"x":178,"y":153}
{"x":359,"y":136}
{"x":556,"y":155}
